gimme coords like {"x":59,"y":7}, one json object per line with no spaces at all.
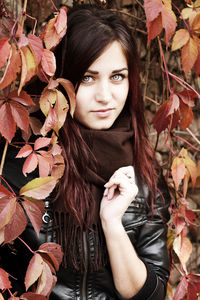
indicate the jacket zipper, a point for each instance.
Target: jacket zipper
{"x":85,"y":249}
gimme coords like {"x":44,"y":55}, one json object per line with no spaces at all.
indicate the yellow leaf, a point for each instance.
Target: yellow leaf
{"x":61,"y":108}
{"x":48,"y":97}
{"x":38,"y":188}
{"x":180,"y":38}
{"x":189,"y":164}
{"x":196,"y":23}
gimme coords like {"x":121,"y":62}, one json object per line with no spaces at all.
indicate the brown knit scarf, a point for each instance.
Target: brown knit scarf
{"x":112,"y":149}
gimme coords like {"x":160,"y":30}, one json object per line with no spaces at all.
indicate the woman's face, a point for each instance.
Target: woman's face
{"x":103,"y":90}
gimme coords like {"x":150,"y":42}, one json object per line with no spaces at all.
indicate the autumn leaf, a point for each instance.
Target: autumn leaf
{"x":187,"y":116}
{"x":38,"y":188}
{"x":21,"y":97}
{"x":168,"y":22}
{"x":180,"y":38}
{"x":54,"y":249}
{"x":69,"y":88}
{"x":30,"y":164}
{"x":16,"y":225}
{"x":189,"y":50}
{"x":4,"y":280}
{"x":46,"y":281}
{"x":196,"y":24}
{"x":47,"y":98}
{"x":12,"y":68}
{"x":152,"y":9}
{"x":34,"y":270}
{"x":34,"y":215}
{"x":25,"y":151}
{"x":55,"y":30}
{"x":50,"y":121}
{"x":36,"y":46}
{"x":197,"y":63}
{"x":32,"y":296}
{"x":4,"y":51}
{"x":48,"y":62}
{"x":181,"y":289}
{"x":187,"y":96}
{"x":154,"y":28}
{"x":190,"y":165}
{"x":183,"y":248}
{"x":173,"y":103}
{"x":41,"y":142}
{"x":178,"y":171}
{"x":7,"y":207}
{"x":179,"y":223}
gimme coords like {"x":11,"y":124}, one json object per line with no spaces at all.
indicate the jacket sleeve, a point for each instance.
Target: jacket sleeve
{"x":150,"y":242}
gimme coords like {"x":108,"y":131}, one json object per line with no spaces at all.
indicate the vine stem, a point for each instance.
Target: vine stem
{"x":26,"y":245}
{"x":185,"y":141}
{"x":1,"y":178}
{"x":3,"y":158}
{"x":192,"y":134}
{"x":24,"y":11}
{"x":165,"y":66}
{"x":54,"y":5}
{"x":188,"y":28}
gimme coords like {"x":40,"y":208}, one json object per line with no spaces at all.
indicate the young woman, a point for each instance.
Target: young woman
{"x":111,"y":206}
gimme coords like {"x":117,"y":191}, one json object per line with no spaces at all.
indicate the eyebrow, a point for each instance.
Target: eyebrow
{"x":114,"y":71}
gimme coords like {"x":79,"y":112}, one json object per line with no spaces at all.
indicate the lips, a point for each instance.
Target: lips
{"x":103,"y":112}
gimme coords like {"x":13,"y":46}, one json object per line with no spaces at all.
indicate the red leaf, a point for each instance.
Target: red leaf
{"x":187,"y":116}
{"x":34,"y":215}
{"x":4,"y":192}
{"x":35,"y":125}
{"x":34,"y":270}
{"x":24,"y":151}
{"x":197,"y":64}
{"x":4,"y":51}
{"x":187,"y":97}
{"x":32,"y":296}
{"x":23,"y":40}
{"x":20,"y":115}
{"x":48,"y":62}
{"x":4,"y":280}
{"x":30,"y":164}
{"x":154,"y":28}
{"x":12,"y":68}
{"x":54,"y":249}
{"x":22,"y":98}
{"x":36,"y":47}
{"x":16,"y":225}
{"x":181,"y":289}
{"x":169,"y":23}
{"x":7,"y":123}
{"x":179,"y":224}
{"x":41,"y":142}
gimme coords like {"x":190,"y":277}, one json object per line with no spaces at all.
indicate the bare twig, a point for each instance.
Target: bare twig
{"x":3,"y":158}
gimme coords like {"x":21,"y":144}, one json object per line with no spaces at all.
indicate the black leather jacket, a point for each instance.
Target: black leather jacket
{"x":147,"y":233}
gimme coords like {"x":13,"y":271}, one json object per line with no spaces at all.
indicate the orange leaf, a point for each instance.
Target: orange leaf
{"x":61,"y":109}
{"x":48,"y":97}
{"x":190,"y":50}
{"x":34,"y":270}
{"x":29,"y":65}
{"x":154,"y":28}
{"x":41,"y":142}
{"x":16,"y":225}
{"x":197,"y":63}
{"x":180,"y":38}
{"x":4,"y":51}
{"x":196,"y":23}
{"x":168,"y":22}
{"x":7,"y":209}
{"x":61,"y":22}
{"x":50,"y":122}
{"x":54,"y":249}
{"x":178,"y":171}
{"x":12,"y":68}
{"x":48,"y":62}
{"x":32,"y":296}
{"x":187,"y":116}
{"x":44,"y":166}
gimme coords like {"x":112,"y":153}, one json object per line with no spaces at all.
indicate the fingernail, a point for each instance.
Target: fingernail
{"x":105,"y":192}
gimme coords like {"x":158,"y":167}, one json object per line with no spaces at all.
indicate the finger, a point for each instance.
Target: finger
{"x":111,"y":191}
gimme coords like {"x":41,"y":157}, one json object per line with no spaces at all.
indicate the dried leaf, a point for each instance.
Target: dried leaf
{"x":36,"y":47}
{"x":39,"y":188}
{"x":45,"y":283}
{"x":183,"y":248}
{"x":7,"y":123}
{"x":50,"y":122}
{"x":154,"y":28}
{"x":44,"y":165}
{"x":7,"y":209}
{"x":24,"y":151}
{"x":168,"y":22}
{"x":61,"y":22}
{"x":48,"y":97}
{"x":54,"y":249}
{"x":32,"y":296}
{"x":20,"y":115}
{"x":21,"y":97}
{"x":178,"y":171}
{"x":69,"y":88}
{"x":187,"y":116}
{"x":41,"y":142}
{"x":152,"y":9}
{"x":173,"y":104}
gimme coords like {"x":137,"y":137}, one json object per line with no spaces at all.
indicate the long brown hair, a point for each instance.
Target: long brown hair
{"x":89,"y":31}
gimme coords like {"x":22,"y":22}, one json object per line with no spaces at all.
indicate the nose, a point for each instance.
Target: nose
{"x":103,"y":92}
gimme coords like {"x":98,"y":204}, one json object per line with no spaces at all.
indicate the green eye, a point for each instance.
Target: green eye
{"x":86,"y":79}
